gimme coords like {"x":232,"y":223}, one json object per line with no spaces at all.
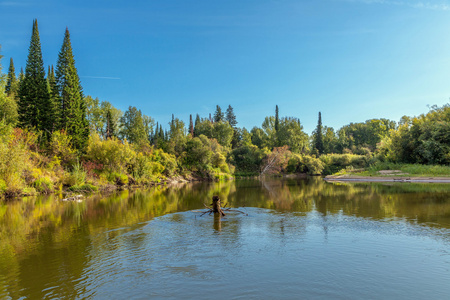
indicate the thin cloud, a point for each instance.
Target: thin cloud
{"x":101,"y":77}
{"x":443,"y":6}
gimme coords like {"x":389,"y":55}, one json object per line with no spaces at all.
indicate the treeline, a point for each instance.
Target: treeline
{"x":53,"y":137}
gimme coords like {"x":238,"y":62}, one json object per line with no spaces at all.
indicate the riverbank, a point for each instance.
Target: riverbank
{"x":388,"y":177}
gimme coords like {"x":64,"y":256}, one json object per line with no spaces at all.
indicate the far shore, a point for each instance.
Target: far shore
{"x":413,"y":179}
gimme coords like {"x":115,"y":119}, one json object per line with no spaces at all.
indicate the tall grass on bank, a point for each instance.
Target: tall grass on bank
{"x":410,"y":169}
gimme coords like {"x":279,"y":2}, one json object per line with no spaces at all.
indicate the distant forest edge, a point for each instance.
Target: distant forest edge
{"x":54,"y":138}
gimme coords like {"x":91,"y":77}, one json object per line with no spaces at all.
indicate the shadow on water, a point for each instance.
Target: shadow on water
{"x":46,"y":244}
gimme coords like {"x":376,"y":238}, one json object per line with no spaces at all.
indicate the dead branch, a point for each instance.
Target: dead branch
{"x":217,"y":209}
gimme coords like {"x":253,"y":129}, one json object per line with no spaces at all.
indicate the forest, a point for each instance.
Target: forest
{"x":54,"y":138}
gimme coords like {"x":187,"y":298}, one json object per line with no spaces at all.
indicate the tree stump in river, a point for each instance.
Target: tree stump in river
{"x":216,"y":206}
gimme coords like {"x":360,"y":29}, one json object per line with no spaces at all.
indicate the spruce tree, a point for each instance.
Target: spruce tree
{"x":34,"y":100}
{"x":73,"y":108}
{"x":21,"y":76}
{"x":12,"y":83}
{"x":319,"y":136}
{"x":197,"y":122}
{"x":111,"y":125}
{"x":55,"y":100}
{"x":191,"y":126}
{"x":277,"y":119}
{"x":218,"y":115}
{"x":231,"y":117}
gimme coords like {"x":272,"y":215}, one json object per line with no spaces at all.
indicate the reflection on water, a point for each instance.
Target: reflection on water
{"x":301,"y":236}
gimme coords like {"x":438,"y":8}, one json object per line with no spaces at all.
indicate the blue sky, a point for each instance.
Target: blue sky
{"x":352,"y":60}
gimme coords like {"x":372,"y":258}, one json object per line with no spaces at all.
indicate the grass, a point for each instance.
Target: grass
{"x":406,"y":169}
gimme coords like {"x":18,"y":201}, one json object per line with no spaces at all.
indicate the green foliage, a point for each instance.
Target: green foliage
{"x":43,"y":185}
{"x":8,"y":109}
{"x":198,"y":153}
{"x":12,"y":84}
{"x":301,"y":163}
{"x":15,"y":158}
{"x":367,"y":134}
{"x":313,"y":166}
{"x":335,"y":162}
{"x":144,"y":168}
{"x":247,"y":158}
{"x":77,"y":177}
{"x":177,"y":137}
{"x":218,"y":115}
{"x":113,"y":154}
{"x":133,"y":126}
{"x":167,"y":160}
{"x":55,"y":99}
{"x":231,"y":117}
{"x":60,"y":147}
{"x":223,"y":133}
{"x":73,"y":108}
{"x":204,"y":127}
{"x":290,"y":133}
{"x":410,"y":169}
{"x":118,"y":178}
{"x":423,"y":140}
{"x":34,"y":105}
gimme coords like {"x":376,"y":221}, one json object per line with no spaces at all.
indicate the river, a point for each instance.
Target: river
{"x":298,"y":239}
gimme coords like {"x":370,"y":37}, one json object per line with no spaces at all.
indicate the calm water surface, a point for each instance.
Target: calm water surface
{"x":302,"y":239}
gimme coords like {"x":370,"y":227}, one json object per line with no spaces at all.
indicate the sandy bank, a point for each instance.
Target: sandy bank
{"x":419,"y":179}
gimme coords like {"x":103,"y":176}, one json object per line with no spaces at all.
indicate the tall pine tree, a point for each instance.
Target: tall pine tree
{"x":218,"y":115}
{"x":231,"y":117}
{"x":277,"y":119}
{"x":111,"y":125}
{"x":34,"y":100}
{"x":55,"y":100}
{"x":319,"y":136}
{"x":197,"y":122}
{"x":191,"y":126}
{"x":12,"y":83}
{"x":73,"y":108}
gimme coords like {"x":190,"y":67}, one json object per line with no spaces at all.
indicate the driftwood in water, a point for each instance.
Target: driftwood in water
{"x":77,"y":198}
{"x":216,"y":208}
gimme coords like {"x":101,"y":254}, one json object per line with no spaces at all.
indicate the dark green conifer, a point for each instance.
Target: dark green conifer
{"x":277,"y":119}
{"x":319,"y":136}
{"x":218,"y":115}
{"x":197,"y":121}
{"x":161,"y":133}
{"x":73,"y":108}
{"x":34,"y":100}
{"x":191,"y":126}
{"x":21,"y":76}
{"x":54,"y":98}
{"x":12,"y":83}
{"x":110,"y":125}
{"x":231,"y":117}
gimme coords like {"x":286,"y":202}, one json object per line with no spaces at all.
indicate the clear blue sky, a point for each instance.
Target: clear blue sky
{"x":352,"y":60}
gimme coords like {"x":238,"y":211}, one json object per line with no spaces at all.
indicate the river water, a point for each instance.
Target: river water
{"x":299,"y":239}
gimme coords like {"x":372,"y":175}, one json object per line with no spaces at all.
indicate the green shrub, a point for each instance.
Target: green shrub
{"x":2,"y":186}
{"x":61,"y":149}
{"x":43,"y":185}
{"x":76,"y":177}
{"x":118,"y":178}
{"x":335,"y":162}
{"x":313,"y":166}
{"x":113,"y":154}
